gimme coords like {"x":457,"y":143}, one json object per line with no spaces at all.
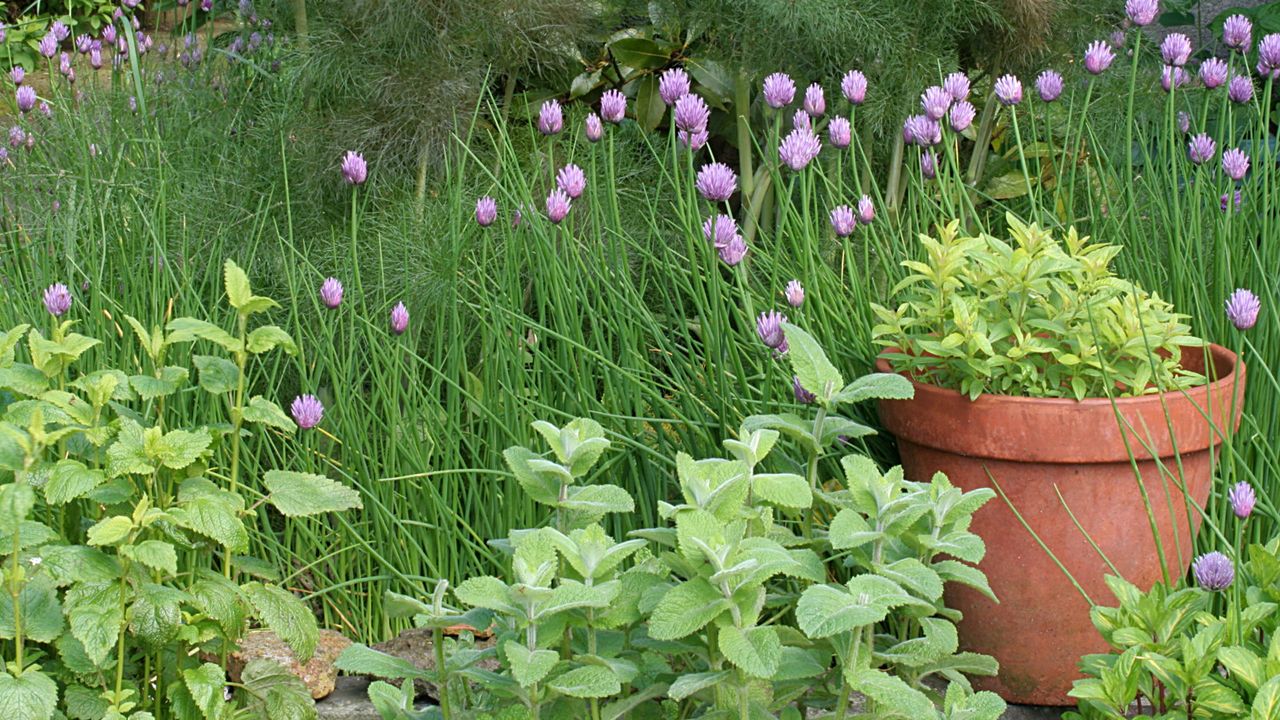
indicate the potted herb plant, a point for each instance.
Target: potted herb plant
{"x":1081,"y":398}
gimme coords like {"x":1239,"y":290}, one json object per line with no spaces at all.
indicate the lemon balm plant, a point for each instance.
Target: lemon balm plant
{"x":121,"y":524}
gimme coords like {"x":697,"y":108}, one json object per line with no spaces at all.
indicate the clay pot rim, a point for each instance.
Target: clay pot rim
{"x":1218,"y":353}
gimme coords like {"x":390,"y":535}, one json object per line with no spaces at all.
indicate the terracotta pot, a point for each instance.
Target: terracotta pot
{"x":1035,"y":449}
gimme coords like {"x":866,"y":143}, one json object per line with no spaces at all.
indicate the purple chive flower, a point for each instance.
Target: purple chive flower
{"x":550,"y":118}
{"x":59,"y":30}
{"x":1141,"y":12}
{"x":18,"y":74}
{"x":928,"y":165}
{"x":1201,"y":148}
{"x":1213,"y":571}
{"x":1235,"y":163}
{"x":691,"y":113}
{"x":83,"y":43}
{"x":1242,"y":499}
{"x":840,"y":132}
{"x":613,"y":106}
{"x":719,"y":230}
{"x":1117,"y":39}
{"x":64,"y":64}
{"x":803,"y":396}
{"x":693,"y":140}
{"x":935,"y":101}
{"x":306,"y":411}
{"x":45,"y":110}
{"x":1269,"y":56}
{"x":558,"y":205}
{"x":1184,"y":122}
{"x":799,"y":148}
{"x":1222,"y":201}
{"x":854,"y":86}
{"x":354,"y":169}
{"x":1098,"y":57}
{"x":1242,"y":309}
{"x":957,"y":86}
{"x":1009,"y":90}
{"x":399,"y":319}
{"x":95,"y":58}
{"x":794,"y":293}
{"x":109,"y":34}
{"x":572,"y":181}
{"x":733,"y":251}
{"x":866,"y":210}
{"x":331,"y":292}
{"x":57,"y":299}
{"x":802,"y":121}
{"x":593,"y":128}
{"x":673,"y":85}
{"x":17,"y":136}
{"x":486,"y":211}
{"x":769,"y":328}
{"x":133,"y":108}
{"x":1172,"y":77}
{"x":1175,"y":49}
{"x":131,"y":4}
{"x":48,"y":45}
{"x":206,"y":5}
{"x":815,"y":100}
{"x":779,"y":90}
{"x":843,"y":221}
{"x":923,"y":130}
{"x":1049,"y":85}
{"x":961,"y":115}
{"x":716,"y":181}
{"x":1237,"y":33}
{"x":1213,"y":73}
{"x":1240,"y":89}
{"x":26,"y":96}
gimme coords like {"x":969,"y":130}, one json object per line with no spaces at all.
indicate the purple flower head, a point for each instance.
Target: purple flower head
{"x":854,"y":86}
{"x":866,"y":210}
{"x":133,"y":104}
{"x":486,"y":211}
{"x":1213,"y":571}
{"x":719,"y":230}
{"x":59,"y":30}
{"x":57,"y":299}
{"x":802,"y":121}
{"x":18,"y":74}
{"x":1141,"y":12}
{"x":815,"y":100}
{"x":17,"y":136}
{"x":83,"y":43}
{"x":1175,"y":49}
{"x":1173,"y":76}
{"x":1213,"y":73}
{"x":928,"y":165}
{"x":1009,"y":90}
{"x":613,"y":106}
{"x":1201,"y":148}
{"x":961,"y":115}
{"x":803,"y":396}
{"x":95,"y":58}
{"x":1098,"y":57}
{"x":131,"y":4}
{"x":673,"y":85}
{"x":48,"y":45}
{"x":64,"y":64}
{"x":571,"y":180}
{"x":1242,"y":309}
{"x":550,"y":118}
{"x":26,"y":96}
{"x":45,"y":110}
{"x":1240,"y":89}
{"x":957,"y":86}
{"x":354,"y":169}
{"x":779,"y":90}
{"x":843,"y":221}
{"x":1237,"y":33}
{"x":716,"y":182}
{"x":1235,"y":163}
{"x":840,"y":132}
{"x":692,"y":113}
{"x":1184,"y":122}
{"x":399,"y":319}
{"x":206,"y":5}
{"x":558,"y":205}
{"x":799,"y":148}
{"x":109,"y":34}
{"x":794,"y":293}
{"x":1242,"y":499}
{"x":923,"y":130}
{"x":769,"y":328}
{"x":1269,"y":56}
{"x":733,"y":251}
{"x":935,"y":102}
{"x":1049,"y":85}
{"x":1222,"y":201}
{"x":306,"y":411}
{"x":693,"y":140}
{"x":1117,"y":39}
{"x":593,"y":128}
{"x":331,"y":292}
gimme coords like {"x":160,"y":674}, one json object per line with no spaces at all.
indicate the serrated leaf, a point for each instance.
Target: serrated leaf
{"x":364,"y":660}
{"x":891,"y":693}
{"x":214,"y":518}
{"x":269,"y":337}
{"x":206,"y":685}
{"x":529,"y":667}
{"x":264,"y":412}
{"x":798,"y":663}
{"x":95,"y":614}
{"x":824,"y":611}
{"x":236,"y":282}
{"x":298,"y":494}
{"x":111,"y":530}
{"x":150,"y":387}
{"x":70,"y":480}
{"x":598,"y":499}
{"x":219,"y":599}
{"x":690,"y":683}
{"x":589,"y":681}
{"x":810,"y":364}
{"x":217,"y":375}
{"x":177,"y":449}
{"x":191,"y":329}
{"x":877,"y":386}
{"x":485,"y":591}
{"x":155,"y":615}
{"x":286,"y":615}
{"x":849,"y":529}
{"x":956,"y":571}
{"x":685,"y":609}
{"x":912,"y":574}
{"x":756,"y":650}
{"x":155,"y":554}
{"x":30,"y":696}
{"x":782,"y":489}
{"x":41,"y":611}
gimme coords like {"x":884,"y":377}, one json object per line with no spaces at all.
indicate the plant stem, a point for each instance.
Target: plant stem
{"x":237,"y":420}
{"x":442,"y":677}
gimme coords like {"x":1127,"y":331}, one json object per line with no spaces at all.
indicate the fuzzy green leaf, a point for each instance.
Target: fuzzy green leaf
{"x":42,"y":619}
{"x":274,"y":692}
{"x":685,"y":609}
{"x":206,"y":685}
{"x":810,"y":364}
{"x":756,"y":650}
{"x":264,"y":412}
{"x":286,"y":615}
{"x":30,"y":696}
{"x":364,"y":660}
{"x":71,"y":480}
{"x":782,"y":489}
{"x":529,"y":667}
{"x":270,"y":337}
{"x":298,"y":494}
{"x":217,"y":375}
{"x":891,"y":694}
{"x":589,"y":681}
{"x":95,"y":615}
{"x":877,"y":386}
{"x":155,"y":554}
{"x":111,"y":530}
{"x":690,"y":683}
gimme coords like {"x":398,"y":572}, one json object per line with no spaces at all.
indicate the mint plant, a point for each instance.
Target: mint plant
{"x":111,"y":519}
